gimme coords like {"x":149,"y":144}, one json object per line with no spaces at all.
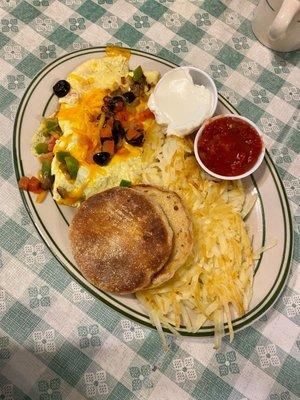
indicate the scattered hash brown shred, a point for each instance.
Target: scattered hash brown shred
{"x":215,"y":284}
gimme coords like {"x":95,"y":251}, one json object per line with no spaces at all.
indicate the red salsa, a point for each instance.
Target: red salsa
{"x":229,"y":146}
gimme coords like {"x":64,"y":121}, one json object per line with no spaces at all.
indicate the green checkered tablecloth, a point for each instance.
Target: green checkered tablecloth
{"x":56,"y":341}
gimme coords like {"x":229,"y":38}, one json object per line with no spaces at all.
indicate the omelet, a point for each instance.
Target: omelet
{"x":78,"y":118}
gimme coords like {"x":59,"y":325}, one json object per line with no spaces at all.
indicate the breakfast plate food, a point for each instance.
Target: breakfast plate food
{"x":131,"y":215}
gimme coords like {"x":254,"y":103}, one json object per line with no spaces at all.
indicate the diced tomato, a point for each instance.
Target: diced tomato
{"x":132,"y":134}
{"x":46,"y":157}
{"x":146,"y":114}
{"x":31,"y":184}
{"x":106,"y":133}
{"x":51,"y":143}
{"x":109,"y":147}
{"x":122,"y":116}
{"x":34,"y":185}
{"x":23,"y":182}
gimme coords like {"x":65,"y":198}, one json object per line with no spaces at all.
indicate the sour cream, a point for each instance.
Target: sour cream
{"x":180,"y":104}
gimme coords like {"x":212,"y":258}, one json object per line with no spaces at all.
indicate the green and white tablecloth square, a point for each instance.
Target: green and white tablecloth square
{"x":56,"y":341}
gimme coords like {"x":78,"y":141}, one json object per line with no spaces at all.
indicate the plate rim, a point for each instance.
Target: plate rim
{"x":238,"y":323}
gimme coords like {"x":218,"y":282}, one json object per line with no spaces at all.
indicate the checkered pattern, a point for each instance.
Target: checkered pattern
{"x":57,"y":342}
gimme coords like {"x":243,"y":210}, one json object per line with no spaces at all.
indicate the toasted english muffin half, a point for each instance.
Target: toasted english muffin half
{"x":181,"y":225}
{"x":120,"y":240}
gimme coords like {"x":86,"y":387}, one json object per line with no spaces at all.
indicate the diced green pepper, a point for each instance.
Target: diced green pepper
{"x":125,"y":183}
{"x":45,"y":175}
{"x":46,"y":169}
{"x":51,"y":125}
{"x":72,"y":166}
{"x":61,"y":155}
{"x":41,"y":148}
{"x":138,"y":74}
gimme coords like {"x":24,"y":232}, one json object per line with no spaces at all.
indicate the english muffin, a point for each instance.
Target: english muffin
{"x":120,"y":240}
{"x":181,"y":225}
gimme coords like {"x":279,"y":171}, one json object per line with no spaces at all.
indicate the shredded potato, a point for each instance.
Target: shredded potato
{"x":215,"y":284}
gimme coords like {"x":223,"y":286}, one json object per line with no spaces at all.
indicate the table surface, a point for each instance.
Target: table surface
{"x":56,"y":341}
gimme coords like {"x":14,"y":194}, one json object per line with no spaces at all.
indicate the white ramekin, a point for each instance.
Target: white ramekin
{"x":228,"y":178}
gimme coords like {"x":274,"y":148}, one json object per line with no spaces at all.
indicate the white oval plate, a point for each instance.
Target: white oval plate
{"x":270,"y":219}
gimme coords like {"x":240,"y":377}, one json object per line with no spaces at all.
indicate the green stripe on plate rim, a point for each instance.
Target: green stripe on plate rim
{"x":238,"y":323}
{"x":73,"y":266}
